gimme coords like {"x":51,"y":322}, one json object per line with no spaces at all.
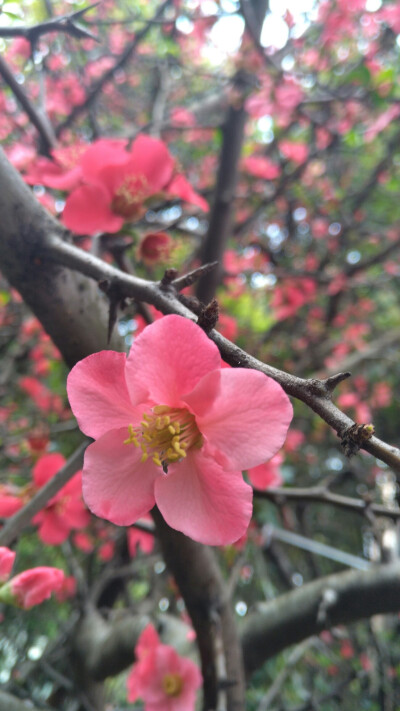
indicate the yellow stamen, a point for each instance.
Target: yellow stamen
{"x":165,"y":435}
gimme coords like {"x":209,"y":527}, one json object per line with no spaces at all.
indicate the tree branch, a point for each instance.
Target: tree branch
{"x":40,"y":122}
{"x":333,"y":600}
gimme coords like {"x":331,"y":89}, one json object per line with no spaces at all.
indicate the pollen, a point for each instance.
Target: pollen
{"x":165,"y":435}
{"x":172,"y":684}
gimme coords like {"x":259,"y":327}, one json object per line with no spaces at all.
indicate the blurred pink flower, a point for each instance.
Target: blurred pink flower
{"x":117,"y":183}
{"x":164,"y":680}
{"x":174,"y":428}
{"x":66,"y":510}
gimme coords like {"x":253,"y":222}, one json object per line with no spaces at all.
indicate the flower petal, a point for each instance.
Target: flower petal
{"x":150,"y":157}
{"x":98,"y":394}
{"x":243,"y":414}
{"x":170,"y":357}
{"x":116,"y":485}
{"x":204,"y":501}
{"x":88,"y":210}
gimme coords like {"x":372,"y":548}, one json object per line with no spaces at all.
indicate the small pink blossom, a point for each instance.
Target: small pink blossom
{"x":6,"y":563}
{"x":163,"y":679}
{"x":176,"y":429}
{"x":35,"y":585}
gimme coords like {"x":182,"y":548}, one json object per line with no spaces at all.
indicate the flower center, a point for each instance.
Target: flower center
{"x":165,"y":434}
{"x":172,"y":684}
{"x":129,"y":197}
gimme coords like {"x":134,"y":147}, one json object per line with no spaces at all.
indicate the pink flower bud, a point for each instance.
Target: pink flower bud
{"x":35,"y":585}
{"x":6,"y":563}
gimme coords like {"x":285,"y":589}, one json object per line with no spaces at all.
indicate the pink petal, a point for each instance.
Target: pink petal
{"x":150,"y":157}
{"x":53,"y":530}
{"x":116,"y":485}
{"x":181,"y":187}
{"x":204,"y":501}
{"x":170,"y":357}
{"x":46,"y":467}
{"x":88,"y":210}
{"x":102,"y":153}
{"x":98,"y":394}
{"x":243,"y":414}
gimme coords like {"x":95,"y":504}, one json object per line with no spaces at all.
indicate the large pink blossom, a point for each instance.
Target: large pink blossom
{"x":163,"y":679}
{"x":174,"y":428}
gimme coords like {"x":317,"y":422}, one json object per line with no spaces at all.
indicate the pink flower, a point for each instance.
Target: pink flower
{"x":267,"y":475}
{"x":66,"y":510}
{"x":118,"y":184}
{"x":261,"y":167}
{"x":174,"y":428}
{"x":6,"y":563}
{"x":164,"y":680}
{"x":35,"y":585}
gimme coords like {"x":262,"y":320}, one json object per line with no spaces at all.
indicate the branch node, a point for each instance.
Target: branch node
{"x":169,"y":276}
{"x":355,"y":437}
{"x":334,"y":380}
{"x":208,"y":316}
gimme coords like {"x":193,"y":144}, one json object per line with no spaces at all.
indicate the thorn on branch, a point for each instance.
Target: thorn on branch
{"x":169,"y":276}
{"x":334,"y":380}
{"x":208,"y":316}
{"x":355,"y":437}
{"x":190,"y":278}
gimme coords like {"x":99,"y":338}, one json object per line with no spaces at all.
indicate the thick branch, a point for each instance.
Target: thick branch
{"x":199,"y":579}
{"x":335,"y":600}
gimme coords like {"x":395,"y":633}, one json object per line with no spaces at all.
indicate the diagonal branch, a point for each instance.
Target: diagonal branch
{"x":316,"y":394}
{"x":40,"y":122}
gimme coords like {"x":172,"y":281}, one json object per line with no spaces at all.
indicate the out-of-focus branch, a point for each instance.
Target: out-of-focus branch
{"x":322,"y":495}
{"x":199,"y":579}
{"x":11,"y":703}
{"x":220,"y":224}
{"x":40,"y":122}
{"x":333,"y":600}
{"x":22,"y":518}
{"x":65,"y":23}
{"x":95,"y":90}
